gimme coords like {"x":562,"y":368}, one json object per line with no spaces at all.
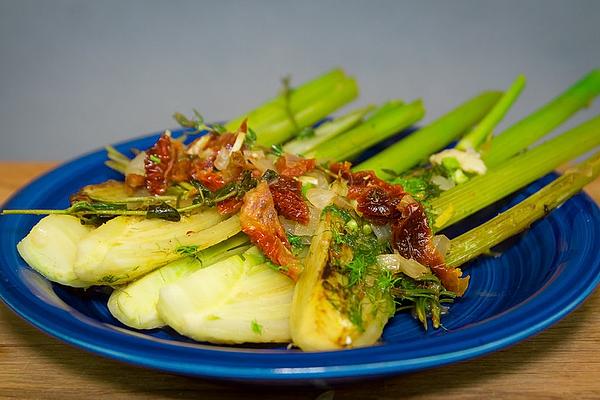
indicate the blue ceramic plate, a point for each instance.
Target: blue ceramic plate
{"x":539,"y":278}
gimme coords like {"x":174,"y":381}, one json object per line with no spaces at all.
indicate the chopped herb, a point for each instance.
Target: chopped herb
{"x":256,"y":327}
{"x":188,"y":251}
{"x":236,"y":189}
{"x":352,"y":273}
{"x":183,"y":121}
{"x":424,"y":296}
{"x":306,"y":133}
{"x":298,"y":243}
{"x":154,"y":158}
{"x":229,"y":190}
{"x":339,"y":212}
{"x":277,"y":150}
{"x":295,"y":240}
{"x":197,"y":123}
{"x":275,"y":267}
{"x":418,"y":183}
{"x":217,"y":128}
{"x":250,"y":137}
{"x":270,"y":175}
{"x":246,"y":183}
{"x":109,"y":279}
{"x":163,"y":211}
{"x":204,"y":194}
{"x":95,"y":213}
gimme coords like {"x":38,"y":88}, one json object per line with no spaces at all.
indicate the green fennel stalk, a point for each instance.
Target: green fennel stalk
{"x":274,"y":109}
{"x":327,"y":131}
{"x":483,"y":130}
{"x":279,"y":119}
{"x":283,"y":130}
{"x":416,"y":147}
{"x":376,"y":128}
{"x":479,"y":240}
{"x":465,"y":199}
{"x":525,"y":132}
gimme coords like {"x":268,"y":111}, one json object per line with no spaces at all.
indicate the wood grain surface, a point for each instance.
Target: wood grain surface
{"x":562,"y":362}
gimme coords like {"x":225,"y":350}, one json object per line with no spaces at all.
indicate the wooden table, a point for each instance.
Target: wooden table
{"x":562,"y":362}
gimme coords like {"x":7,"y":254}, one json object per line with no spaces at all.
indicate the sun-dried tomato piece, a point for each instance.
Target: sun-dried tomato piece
{"x":181,"y":170}
{"x":376,"y":199}
{"x":377,"y":205}
{"x":200,"y":164}
{"x":158,"y":164}
{"x":229,"y":206}
{"x":202,"y":167}
{"x":212,"y":180}
{"x":259,"y":221}
{"x":359,"y":180}
{"x":341,"y":168}
{"x":287,"y":196}
{"x":412,"y":237}
{"x":291,"y":165}
{"x":451,"y":278}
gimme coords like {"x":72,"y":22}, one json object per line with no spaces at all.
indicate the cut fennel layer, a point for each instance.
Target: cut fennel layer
{"x":237,"y":300}
{"x":126,"y":248}
{"x":135,"y":303}
{"x":51,"y":248}
{"x":324,"y":316}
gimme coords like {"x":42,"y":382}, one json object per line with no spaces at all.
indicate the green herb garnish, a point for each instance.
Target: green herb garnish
{"x":154,"y":158}
{"x":277,"y":150}
{"x":163,"y":211}
{"x":256,"y":327}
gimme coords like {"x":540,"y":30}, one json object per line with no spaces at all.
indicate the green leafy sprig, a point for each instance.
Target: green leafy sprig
{"x":197,"y":123}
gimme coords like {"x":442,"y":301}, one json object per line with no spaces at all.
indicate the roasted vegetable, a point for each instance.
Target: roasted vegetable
{"x":135,"y":304}
{"x":125,"y":248}
{"x":51,"y":248}
{"x":343,"y":298}
{"x":240,"y":299}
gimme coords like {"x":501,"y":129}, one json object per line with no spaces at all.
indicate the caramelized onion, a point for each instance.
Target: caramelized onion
{"x":383,"y":232}
{"x":320,"y":198}
{"x":397,"y":263}
{"x":136,"y":165}
{"x":222,"y":159}
{"x":442,"y":244}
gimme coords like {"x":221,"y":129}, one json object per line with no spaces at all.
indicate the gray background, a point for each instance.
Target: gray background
{"x":75,"y":75}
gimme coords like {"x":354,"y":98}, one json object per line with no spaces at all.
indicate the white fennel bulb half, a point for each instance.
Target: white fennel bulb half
{"x":237,"y":300}
{"x":134,"y":304}
{"x":51,"y":248}
{"x":126,"y":248}
{"x":325,"y":314}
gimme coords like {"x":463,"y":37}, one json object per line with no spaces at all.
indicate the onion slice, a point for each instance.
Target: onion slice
{"x":136,"y":165}
{"x":442,"y":244}
{"x":222,"y":160}
{"x":397,"y":263}
{"x":383,"y":232}
{"x":320,"y":198}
